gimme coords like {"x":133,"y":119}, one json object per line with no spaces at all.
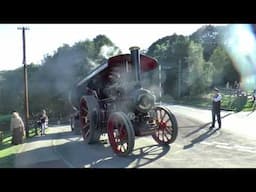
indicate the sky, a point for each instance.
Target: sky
{"x":43,"y":39}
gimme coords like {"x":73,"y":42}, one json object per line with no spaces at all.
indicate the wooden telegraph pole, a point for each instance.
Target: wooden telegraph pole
{"x":25,"y":81}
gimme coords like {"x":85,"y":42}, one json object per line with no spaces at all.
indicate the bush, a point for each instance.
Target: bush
{"x":5,"y":122}
{"x":4,"y":126}
{"x":239,"y":103}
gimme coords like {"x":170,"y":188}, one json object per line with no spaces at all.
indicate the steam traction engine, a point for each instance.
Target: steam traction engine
{"x":111,"y":100}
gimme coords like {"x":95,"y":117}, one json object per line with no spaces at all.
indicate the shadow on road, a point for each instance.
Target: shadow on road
{"x":67,"y":150}
{"x":201,"y":138}
{"x":48,"y":136}
{"x":204,"y":126}
{"x":42,"y":157}
{"x":82,"y":155}
{"x":149,"y":154}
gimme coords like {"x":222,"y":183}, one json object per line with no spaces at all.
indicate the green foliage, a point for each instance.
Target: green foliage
{"x":9,"y":151}
{"x":239,"y":103}
{"x":199,"y":71}
{"x":171,"y":51}
{"x":236,"y":103}
{"x":209,"y":37}
{"x":5,"y":118}
{"x":204,"y":63}
{"x":50,"y":82}
{"x":229,"y":102}
{"x":189,"y":64}
{"x":225,"y":71}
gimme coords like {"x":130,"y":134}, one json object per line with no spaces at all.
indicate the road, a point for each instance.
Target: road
{"x":196,"y":147}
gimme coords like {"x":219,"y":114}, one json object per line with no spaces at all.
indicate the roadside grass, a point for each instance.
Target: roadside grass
{"x":229,"y":102}
{"x":200,"y":102}
{"x":248,"y":106}
{"x":9,"y":151}
{"x":196,"y":102}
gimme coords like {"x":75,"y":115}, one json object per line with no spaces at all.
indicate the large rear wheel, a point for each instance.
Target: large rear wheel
{"x":166,"y":126}
{"x":120,"y":133}
{"x":89,"y":110}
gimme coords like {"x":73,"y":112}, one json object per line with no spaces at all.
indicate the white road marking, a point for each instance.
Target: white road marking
{"x":220,"y":143}
{"x":230,"y":146}
{"x":224,"y":147}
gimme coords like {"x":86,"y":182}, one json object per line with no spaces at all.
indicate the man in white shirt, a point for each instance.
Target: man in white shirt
{"x":216,"y":103}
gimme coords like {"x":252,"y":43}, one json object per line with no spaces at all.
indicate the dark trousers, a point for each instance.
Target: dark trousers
{"x":37,"y":126}
{"x":214,"y":114}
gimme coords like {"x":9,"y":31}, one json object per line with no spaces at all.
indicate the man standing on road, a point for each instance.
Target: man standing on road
{"x":254,"y":100}
{"x":44,"y":122}
{"x":216,"y":103}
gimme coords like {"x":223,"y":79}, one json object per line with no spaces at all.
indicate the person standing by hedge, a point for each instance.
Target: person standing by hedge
{"x":254,"y":99}
{"x":216,"y":104}
{"x":44,"y":122}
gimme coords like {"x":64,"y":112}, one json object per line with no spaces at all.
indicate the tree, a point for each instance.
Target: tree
{"x":225,"y":71}
{"x":199,"y":71}
{"x":170,"y":51}
{"x":209,"y":37}
{"x":51,"y":81}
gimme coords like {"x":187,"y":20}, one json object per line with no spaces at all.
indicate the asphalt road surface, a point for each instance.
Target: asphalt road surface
{"x":195,"y":147}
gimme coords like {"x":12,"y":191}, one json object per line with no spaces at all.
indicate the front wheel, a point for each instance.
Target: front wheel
{"x":166,"y":126}
{"x":120,"y":133}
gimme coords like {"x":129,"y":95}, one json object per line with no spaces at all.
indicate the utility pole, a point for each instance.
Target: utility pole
{"x":25,"y":81}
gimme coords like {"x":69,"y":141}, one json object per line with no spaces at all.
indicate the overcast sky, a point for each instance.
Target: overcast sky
{"x":42,"y":39}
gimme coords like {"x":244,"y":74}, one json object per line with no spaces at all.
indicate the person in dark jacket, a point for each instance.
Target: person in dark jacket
{"x":254,"y":100}
{"x":216,"y":105}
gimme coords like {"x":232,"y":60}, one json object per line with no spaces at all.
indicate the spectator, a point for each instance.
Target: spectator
{"x":254,"y":99}
{"x":44,"y":122}
{"x":216,"y":103}
{"x":17,"y":128}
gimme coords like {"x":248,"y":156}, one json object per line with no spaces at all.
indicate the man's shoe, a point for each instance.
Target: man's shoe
{"x":211,"y":127}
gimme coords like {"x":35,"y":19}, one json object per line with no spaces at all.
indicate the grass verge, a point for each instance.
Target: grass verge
{"x":229,"y":102}
{"x":9,"y":151}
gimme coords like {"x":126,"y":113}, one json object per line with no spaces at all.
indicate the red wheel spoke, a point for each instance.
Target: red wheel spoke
{"x":123,"y":147}
{"x":166,"y":136}
{"x":166,"y":126}
{"x":120,"y":126}
{"x":163,"y":134}
{"x":168,"y":130}
{"x":168,"y":120}
{"x":164,"y":117}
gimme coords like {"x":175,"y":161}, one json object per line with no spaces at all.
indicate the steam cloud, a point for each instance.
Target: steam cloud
{"x":240,"y":43}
